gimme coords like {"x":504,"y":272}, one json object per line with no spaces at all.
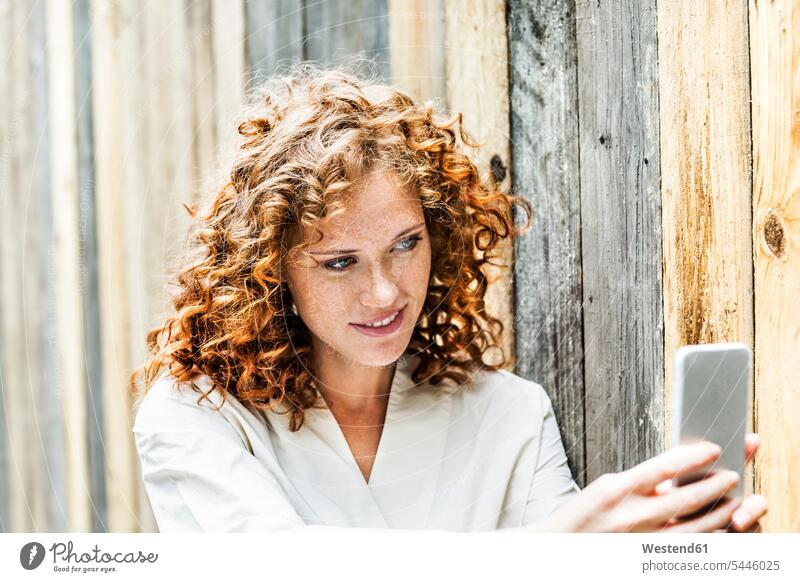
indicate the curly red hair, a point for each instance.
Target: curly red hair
{"x":308,"y":135}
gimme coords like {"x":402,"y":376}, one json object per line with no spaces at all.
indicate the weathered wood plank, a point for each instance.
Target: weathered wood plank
{"x":337,"y":29}
{"x":706,"y":180}
{"x":202,"y":91}
{"x":49,"y":420}
{"x":544,"y":170}
{"x":5,"y":464}
{"x":477,"y":56}
{"x":417,"y":48}
{"x":47,"y":389}
{"x":9,"y":126}
{"x":775,"y":87}
{"x":621,"y":233}
{"x":274,"y":35}
{"x":62,"y":113}
{"x":36,"y":482}
{"x":89,"y":276}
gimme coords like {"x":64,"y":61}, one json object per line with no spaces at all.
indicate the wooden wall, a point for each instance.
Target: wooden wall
{"x":775,"y":90}
{"x":662,"y":162}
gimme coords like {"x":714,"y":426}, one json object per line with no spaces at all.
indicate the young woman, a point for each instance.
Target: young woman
{"x":324,"y":365}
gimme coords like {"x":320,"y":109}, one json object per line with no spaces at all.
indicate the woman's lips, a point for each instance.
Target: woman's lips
{"x":382,"y":316}
{"x":382,"y":331}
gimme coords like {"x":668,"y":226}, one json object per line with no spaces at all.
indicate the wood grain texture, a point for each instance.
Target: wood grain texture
{"x":5,"y":463}
{"x":477,"y":56}
{"x":706,"y":176}
{"x":115,"y":99}
{"x":230,"y":72}
{"x":65,"y":205}
{"x":202,"y":93}
{"x":775,"y":87}
{"x":90,"y":295}
{"x":31,"y":388}
{"x":156,"y":237}
{"x":19,"y":263}
{"x":417,"y":48}
{"x":545,"y":170}
{"x":620,"y":221}
{"x":48,"y":416}
{"x":337,"y":29}
{"x":274,"y":35}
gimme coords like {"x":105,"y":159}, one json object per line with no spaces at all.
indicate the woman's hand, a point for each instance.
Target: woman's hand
{"x":754,"y":507}
{"x":746,"y":517}
{"x":640,"y":500}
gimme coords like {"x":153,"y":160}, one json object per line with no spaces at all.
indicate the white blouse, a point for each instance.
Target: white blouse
{"x":480,"y":456}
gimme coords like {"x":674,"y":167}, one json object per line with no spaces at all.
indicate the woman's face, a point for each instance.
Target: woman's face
{"x":374,"y":260}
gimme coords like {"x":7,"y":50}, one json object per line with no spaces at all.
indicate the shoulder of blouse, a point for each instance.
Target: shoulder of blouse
{"x":505,"y":393}
{"x":506,"y":385}
{"x":170,"y":405}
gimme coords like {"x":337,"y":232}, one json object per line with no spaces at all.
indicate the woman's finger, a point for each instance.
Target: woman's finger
{"x":751,"y":444}
{"x":730,"y":529}
{"x":753,"y":508}
{"x":715,"y":520}
{"x":664,"y":487}
{"x":688,"y":499}
{"x":677,"y":461}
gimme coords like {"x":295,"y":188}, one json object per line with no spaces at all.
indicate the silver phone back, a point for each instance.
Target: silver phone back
{"x":710,"y":402}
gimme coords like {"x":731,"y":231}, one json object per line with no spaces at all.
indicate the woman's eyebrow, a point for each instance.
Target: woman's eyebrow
{"x":337,"y":252}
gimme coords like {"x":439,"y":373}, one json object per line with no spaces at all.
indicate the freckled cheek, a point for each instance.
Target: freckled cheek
{"x":328,"y":301}
{"x":417,"y":278}
{"x":419,"y":272}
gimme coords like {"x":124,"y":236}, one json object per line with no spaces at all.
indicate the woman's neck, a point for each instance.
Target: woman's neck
{"x":351,"y":389}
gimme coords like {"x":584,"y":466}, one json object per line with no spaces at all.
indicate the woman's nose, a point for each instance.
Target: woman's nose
{"x":381,"y":289}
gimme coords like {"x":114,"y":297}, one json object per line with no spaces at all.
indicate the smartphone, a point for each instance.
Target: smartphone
{"x":710,"y":402}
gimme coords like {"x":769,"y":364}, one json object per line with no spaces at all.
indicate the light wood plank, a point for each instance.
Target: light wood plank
{"x":545,"y":170}
{"x":66,"y":218}
{"x":706,"y":176}
{"x":116,"y":95}
{"x":12,"y":375}
{"x":775,"y":78}
{"x":417,"y":48}
{"x":31,"y":382}
{"x":230,"y":73}
{"x":477,"y":56}
{"x":156,"y":239}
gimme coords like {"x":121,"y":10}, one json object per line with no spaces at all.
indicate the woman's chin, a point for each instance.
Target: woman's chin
{"x":377,"y":356}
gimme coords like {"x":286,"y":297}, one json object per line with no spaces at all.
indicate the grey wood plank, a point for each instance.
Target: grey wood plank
{"x":89,"y":264}
{"x":621,"y":230}
{"x":274,"y":35}
{"x":544,"y":170}
{"x":35,"y":484}
{"x":337,"y":29}
{"x":6,"y":141}
{"x":48,"y":414}
{"x":5,"y":522}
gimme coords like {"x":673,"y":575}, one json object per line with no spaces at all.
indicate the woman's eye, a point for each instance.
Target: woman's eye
{"x":412,"y":239}
{"x":331,"y":265}
{"x":337,"y":265}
